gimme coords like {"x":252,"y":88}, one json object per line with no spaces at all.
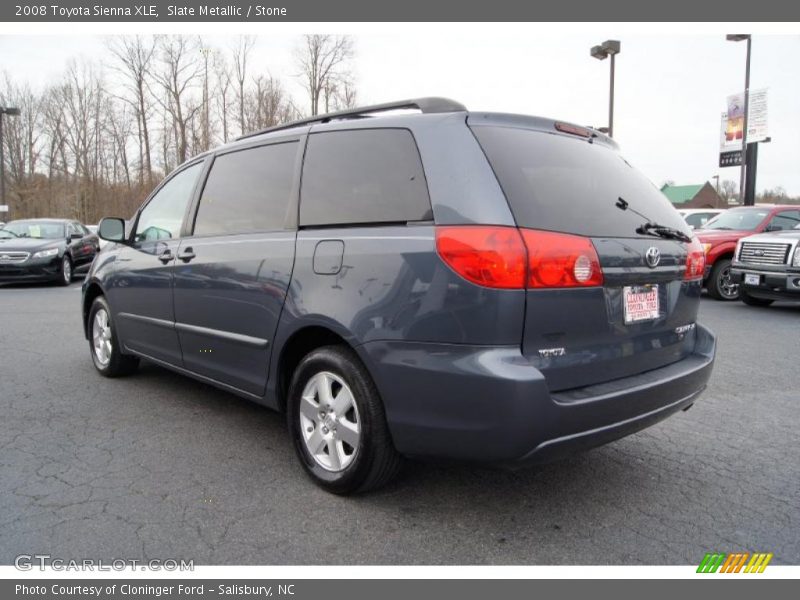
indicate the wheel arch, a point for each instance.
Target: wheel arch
{"x":93,"y":290}
{"x":726,"y":252}
{"x":299,"y":344}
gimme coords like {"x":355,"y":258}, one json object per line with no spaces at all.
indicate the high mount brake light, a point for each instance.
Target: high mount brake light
{"x":695,"y":260}
{"x":511,"y":258}
{"x":573,"y":129}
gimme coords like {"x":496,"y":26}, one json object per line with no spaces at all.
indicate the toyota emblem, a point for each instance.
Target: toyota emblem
{"x":652,"y":256}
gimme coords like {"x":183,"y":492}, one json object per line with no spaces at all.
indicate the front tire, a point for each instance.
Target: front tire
{"x":720,"y":285}
{"x":338,"y":425}
{"x":65,"y":278}
{"x":752,"y":300}
{"x":104,"y":344}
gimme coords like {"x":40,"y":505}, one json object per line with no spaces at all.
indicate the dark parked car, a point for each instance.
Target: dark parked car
{"x":473,"y":286}
{"x":45,"y":250}
{"x":767,"y":266}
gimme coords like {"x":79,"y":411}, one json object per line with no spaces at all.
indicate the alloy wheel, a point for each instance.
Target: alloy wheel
{"x":329,"y":421}
{"x":727,"y":287}
{"x":101,"y":337}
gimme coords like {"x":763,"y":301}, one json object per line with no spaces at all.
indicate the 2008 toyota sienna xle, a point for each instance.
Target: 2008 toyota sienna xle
{"x":428,"y":283}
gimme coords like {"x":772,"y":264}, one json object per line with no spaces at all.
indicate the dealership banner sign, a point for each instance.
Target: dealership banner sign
{"x":732,"y":126}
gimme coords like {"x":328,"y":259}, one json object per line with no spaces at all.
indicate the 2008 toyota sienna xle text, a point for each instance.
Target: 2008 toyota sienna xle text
{"x":429,"y":283}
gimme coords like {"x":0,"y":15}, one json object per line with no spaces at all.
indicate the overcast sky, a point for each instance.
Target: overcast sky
{"x":670,"y":92}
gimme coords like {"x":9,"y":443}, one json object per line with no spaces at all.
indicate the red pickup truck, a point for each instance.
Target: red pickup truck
{"x":719,"y":237}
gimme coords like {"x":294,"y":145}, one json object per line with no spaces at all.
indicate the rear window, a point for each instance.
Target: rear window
{"x":560,"y":183}
{"x":363,"y":176}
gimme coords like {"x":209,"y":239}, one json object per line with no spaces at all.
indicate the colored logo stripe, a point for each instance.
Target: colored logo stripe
{"x":733,"y":563}
{"x":758,"y":563}
{"x":710,"y":563}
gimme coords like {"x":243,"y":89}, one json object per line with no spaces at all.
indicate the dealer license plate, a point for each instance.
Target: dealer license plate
{"x":752,"y":279}
{"x":641,"y":303}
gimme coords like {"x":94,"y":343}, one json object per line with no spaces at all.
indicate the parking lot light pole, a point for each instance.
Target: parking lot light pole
{"x":740,"y":37}
{"x":12,"y":112}
{"x":608,"y":48}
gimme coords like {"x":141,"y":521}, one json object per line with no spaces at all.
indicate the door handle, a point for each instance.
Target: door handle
{"x":187,"y":255}
{"x":166,"y":256}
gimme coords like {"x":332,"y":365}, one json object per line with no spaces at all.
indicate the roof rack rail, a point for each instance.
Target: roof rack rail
{"x":426,"y":105}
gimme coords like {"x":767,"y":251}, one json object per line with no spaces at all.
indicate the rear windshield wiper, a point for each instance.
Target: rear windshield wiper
{"x":663,"y":231}
{"x":653,"y":228}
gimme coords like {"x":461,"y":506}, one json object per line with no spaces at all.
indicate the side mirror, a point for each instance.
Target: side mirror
{"x":75,"y":236}
{"x":112,"y":229}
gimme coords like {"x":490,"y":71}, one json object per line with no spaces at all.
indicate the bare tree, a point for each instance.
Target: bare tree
{"x":728,"y":189}
{"x":22,"y":134}
{"x":267,"y":104}
{"x":135,"y":56}
{"x":82,"y":97}
{"x":323,"y":62}
{"x":89,"y":145}
{"x":179,"y":74}
{"x":776,"y":195}
{"x":120,"y":129}
{"x":205,"y":140}
{"x":347,"y":96}
{"x":53,"y":130}
{"x":223,"y":91}
{"x":241,"y":55}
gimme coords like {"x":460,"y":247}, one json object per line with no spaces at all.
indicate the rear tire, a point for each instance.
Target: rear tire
{"x":752,"y":300}
{"x":720,"y":286}
{"x":338,"y":425}
{"x":104,"y":345}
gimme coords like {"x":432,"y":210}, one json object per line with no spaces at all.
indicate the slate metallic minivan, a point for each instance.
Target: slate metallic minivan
{"x":412,"y":279}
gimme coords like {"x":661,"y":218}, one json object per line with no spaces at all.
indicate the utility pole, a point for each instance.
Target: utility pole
{"x":608,"y":48}
{"x":741,"y":37}
{"x":12,"y":112}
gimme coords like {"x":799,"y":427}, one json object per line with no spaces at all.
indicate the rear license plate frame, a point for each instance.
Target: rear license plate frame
{"x":643,"y":309}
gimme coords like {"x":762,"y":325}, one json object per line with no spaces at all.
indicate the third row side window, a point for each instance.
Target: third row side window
{"x":363,"y":176}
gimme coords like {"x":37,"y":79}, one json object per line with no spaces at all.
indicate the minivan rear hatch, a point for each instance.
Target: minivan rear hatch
{"x":642,"y":316}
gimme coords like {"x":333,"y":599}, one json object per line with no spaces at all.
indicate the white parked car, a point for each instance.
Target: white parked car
{"x":93,"y":229}
{"x":696,"y":218}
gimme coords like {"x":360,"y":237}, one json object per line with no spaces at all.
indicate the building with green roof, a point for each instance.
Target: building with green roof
{"x":701,"y":195}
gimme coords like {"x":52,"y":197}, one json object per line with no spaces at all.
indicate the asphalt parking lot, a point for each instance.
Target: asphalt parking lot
{"x":159,"y":466}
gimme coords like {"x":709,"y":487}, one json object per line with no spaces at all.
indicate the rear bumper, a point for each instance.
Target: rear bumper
{"x":489,"y":404}
{"x":773,"y":285}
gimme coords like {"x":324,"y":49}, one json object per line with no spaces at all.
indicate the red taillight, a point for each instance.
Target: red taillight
{"x":695,"y":260}
{"x":511,"y":258}
{"x":489,"y":256}
{"x":557,"y":260}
